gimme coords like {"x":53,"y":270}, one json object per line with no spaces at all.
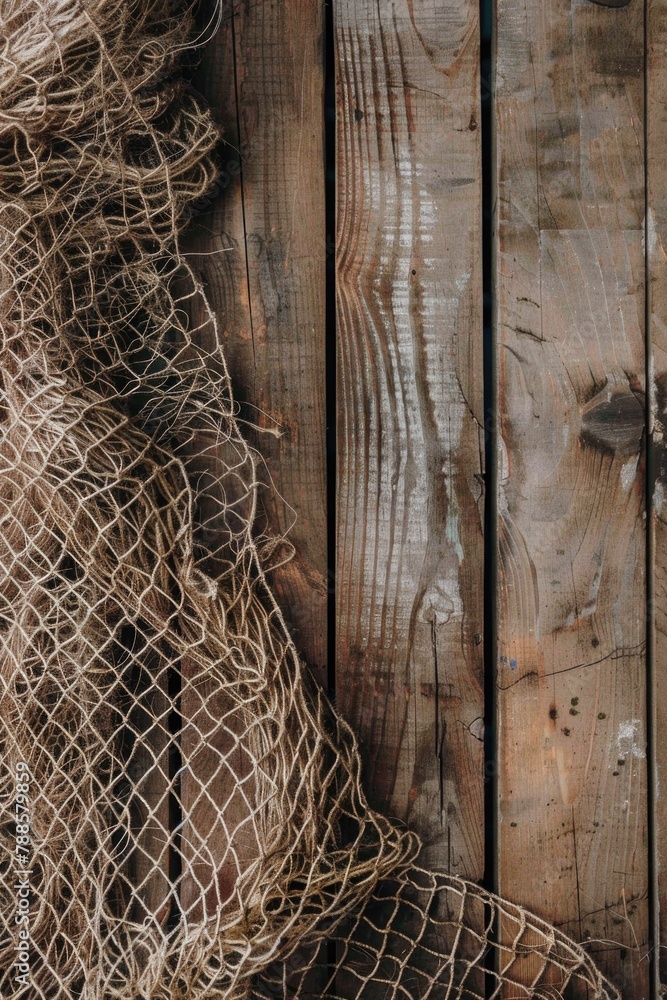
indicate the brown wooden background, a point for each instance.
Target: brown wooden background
{"x":561,"y":809}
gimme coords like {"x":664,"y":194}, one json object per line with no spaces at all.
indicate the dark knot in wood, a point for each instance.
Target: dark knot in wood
{"x":615,"y":424}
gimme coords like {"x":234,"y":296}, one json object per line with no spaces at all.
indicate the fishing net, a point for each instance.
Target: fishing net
{"x":181,"y":809}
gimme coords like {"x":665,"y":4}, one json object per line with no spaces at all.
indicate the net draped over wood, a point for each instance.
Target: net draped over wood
{"x":194,"y":824}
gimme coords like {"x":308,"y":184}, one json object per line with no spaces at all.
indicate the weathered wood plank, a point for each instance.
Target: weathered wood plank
{"x":148,"y":770}
{"x":260,"y":254}
{"x":410,"y":401}
{"x":656,"y":234}
{"x":264,"y":276}
{"x":571,"y":536}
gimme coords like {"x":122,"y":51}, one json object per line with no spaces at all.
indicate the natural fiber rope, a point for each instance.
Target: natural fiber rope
{"x":142,"y":653}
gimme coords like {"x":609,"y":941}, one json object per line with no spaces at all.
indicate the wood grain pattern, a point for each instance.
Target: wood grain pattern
{"x":260,"y":254}
{"x":656,"y":233}
{"x":410,"y":434}
{"x":571,"y":505}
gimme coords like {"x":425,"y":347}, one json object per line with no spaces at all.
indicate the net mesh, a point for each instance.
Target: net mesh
{"x":181,"y":812}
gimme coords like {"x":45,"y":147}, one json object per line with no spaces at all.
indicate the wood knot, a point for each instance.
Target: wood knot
{"x":615,"y":424}
{"x":660,"y":387}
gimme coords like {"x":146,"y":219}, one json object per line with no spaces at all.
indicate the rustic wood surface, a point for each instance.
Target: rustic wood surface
{"x":260,"y":255}
{"x":656,"y":246}
{"x":410,"y":423}
{"x":149,"y":773}
{"x":262,"y":252}
{"x":570,"y":280}
{"x":571,"y":501}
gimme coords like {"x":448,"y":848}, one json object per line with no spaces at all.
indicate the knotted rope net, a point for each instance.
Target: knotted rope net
{"x":182,"y":814}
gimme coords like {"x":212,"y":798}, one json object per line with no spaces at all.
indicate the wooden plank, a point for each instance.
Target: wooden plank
{"x":410,"y":401}
{"x":571,"y":503}
{"x":148,"y":770}
{"x":260,"y":255}
{"x":656,"y":231}
{"x":219,"y":838}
